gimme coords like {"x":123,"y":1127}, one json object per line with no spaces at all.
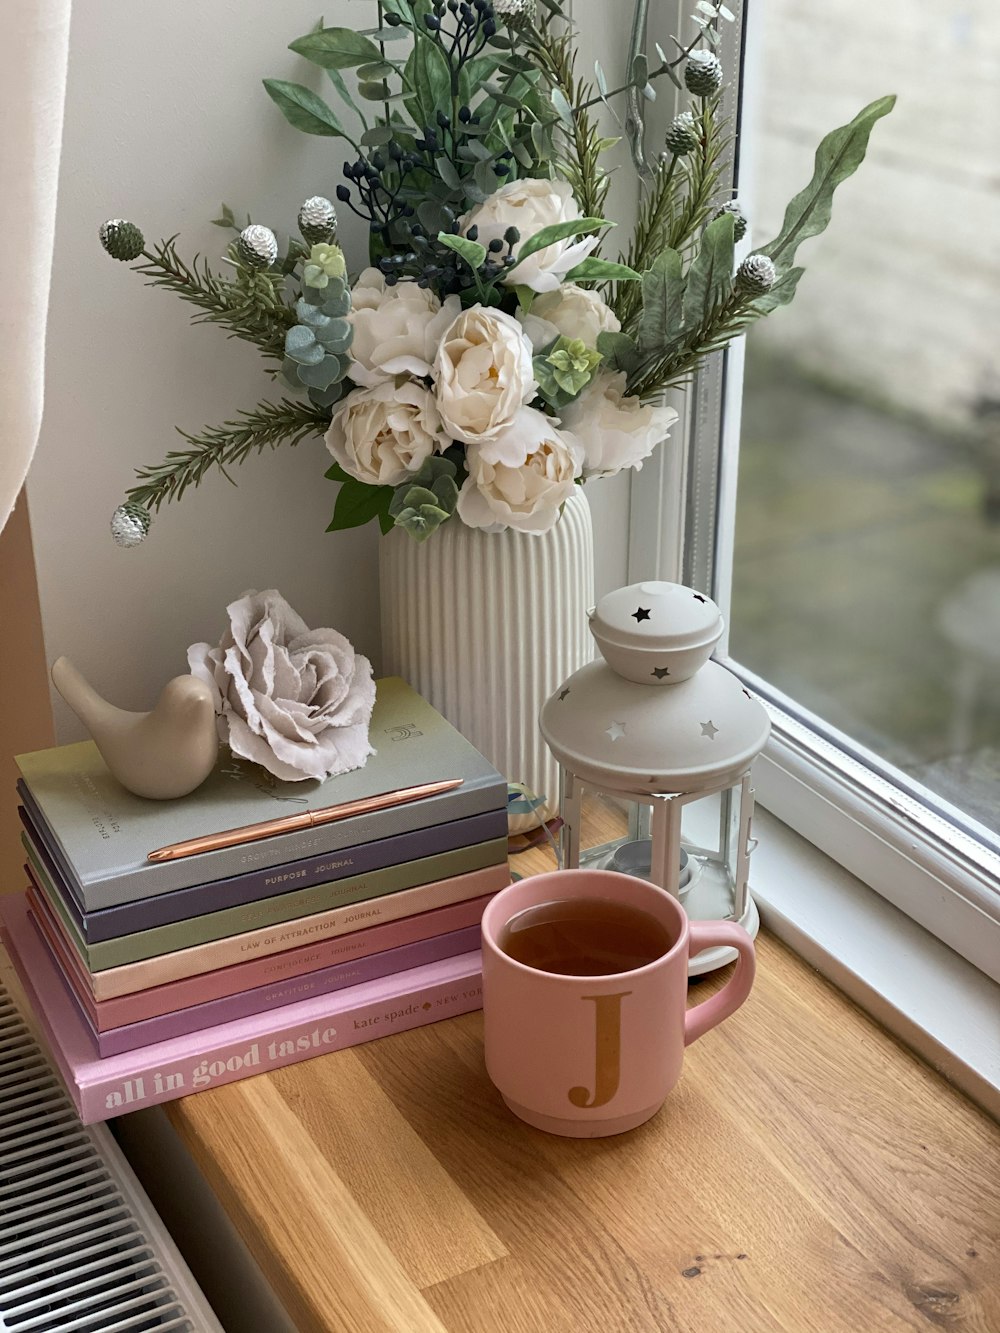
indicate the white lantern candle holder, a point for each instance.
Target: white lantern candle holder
{"x":660,"y":729}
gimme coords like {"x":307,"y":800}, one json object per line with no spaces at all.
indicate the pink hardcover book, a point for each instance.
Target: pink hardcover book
{"x":242,"y":977}
{"x":270,"y":940}
{"x":102,"y":1088}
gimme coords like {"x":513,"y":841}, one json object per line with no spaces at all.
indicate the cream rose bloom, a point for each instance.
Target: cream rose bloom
{"x":382,"y":435}
{"x":521,"y":479}
{"x":396,"y":329}
{"x":530,"y":205}
{"x":570,"y":311}
{"x":484,"y":374}
{"x":615,"y":431}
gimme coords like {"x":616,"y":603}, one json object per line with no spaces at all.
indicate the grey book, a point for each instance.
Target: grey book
{"x":103,"y":833}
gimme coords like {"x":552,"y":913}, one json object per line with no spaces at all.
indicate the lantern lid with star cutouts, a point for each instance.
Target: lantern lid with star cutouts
{"x":656,"y":633}
{"x":627,"y":731}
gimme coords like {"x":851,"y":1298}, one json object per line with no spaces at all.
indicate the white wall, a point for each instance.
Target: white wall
{"x":165,"y":119}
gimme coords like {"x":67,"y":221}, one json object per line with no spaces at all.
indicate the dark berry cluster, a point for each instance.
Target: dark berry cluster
{"x":378,"y":180}
{"x":431,"y":264}
{"x":474,"y":24}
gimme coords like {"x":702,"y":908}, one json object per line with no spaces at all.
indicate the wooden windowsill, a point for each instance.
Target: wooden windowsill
{"x":808,"y":1175}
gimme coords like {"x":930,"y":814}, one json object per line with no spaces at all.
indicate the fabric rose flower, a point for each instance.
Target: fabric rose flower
{"x":529,"y":205}
{"x":570,"y":311}
{"x":382,"y":435}
{"x":396,"y":329}
{"x":294,"y":700}
{"x":483,"y":372}
{"x":615,"y":431}
{"x":521,"y":479}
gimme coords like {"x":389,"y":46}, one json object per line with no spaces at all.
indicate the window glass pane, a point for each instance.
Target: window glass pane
{"x":867,"y":563}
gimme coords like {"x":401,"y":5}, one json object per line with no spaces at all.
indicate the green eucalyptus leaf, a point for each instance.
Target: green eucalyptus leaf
{"x":472,"y":252}
{"x":710,"y":277}
{"x":377,"y":135}
{"x":485,"y":177}
{"x":385,"y":34}
{"x":602,"y":270}
{"x":375,"y":92}
{"x":498,"y":95}
{"x":358,"y":504}
{"x":434,"y":216}
{"x":602,"y":81}
{"x":302,"y":347}
{"x":302,"y":108}
{"x":640,"y":69}
{"x":838,"y":156}
{"x":448,"y":172}
{"x":662,"y":301}
{"x":563,"y":109}
{"x":328,"y":396}
{"x":378,"y":69}
{"x":558,"y":231}
{"x":336,"y":48}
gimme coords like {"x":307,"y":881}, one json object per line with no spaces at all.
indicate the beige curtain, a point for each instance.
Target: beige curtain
{"x":34,"y":41}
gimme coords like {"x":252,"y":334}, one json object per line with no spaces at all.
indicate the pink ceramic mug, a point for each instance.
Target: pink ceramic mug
{"x":590,"y":1056}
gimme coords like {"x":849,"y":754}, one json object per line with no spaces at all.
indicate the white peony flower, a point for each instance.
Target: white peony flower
{"x":615,"y":431}
{"x":295,"y":700}
{"x":484,"y":374}
{"x":396,"y":329}
{"x":521,"y":479}
{"x":572,"y":311}
{"x":529,"y":205}
{"x":382,"y":435}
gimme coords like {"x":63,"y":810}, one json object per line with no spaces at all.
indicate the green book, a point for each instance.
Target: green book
{"x":100,"y":834}
{"x":271,"y":911}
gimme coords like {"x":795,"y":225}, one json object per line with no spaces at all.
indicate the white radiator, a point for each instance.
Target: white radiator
{"x":81,"y":1248}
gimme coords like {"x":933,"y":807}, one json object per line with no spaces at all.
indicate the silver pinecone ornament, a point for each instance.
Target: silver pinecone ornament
{"x":739,"y":218}
{"x":515,"y":13}
{"x":317,"y":220}
{"x":703,"y":73}
{"x":682,"y":137}
{"x":756,"y":275}
{"x":257,"y":246}
{"x":122,"y":240}
{"x":129,"y":524}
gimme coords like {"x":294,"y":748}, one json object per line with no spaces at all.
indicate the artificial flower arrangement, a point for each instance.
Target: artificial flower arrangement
{"x":488,"y":359}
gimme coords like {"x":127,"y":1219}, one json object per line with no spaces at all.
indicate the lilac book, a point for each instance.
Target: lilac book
{"x":115,"y":1041}
{"x":102,"y":1087}
{"x":202,"y":899}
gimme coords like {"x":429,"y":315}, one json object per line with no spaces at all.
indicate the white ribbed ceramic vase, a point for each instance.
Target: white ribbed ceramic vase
{"x":485,"y":625}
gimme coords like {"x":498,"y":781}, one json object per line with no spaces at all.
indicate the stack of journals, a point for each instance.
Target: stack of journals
{"x":146,"y":974}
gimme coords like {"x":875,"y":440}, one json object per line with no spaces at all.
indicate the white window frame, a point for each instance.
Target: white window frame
{"x":914,"y":853}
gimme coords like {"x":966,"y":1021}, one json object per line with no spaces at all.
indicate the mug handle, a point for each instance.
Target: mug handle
{"x":705,"y":935}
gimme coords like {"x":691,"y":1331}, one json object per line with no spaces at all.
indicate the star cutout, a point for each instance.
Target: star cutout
{"x":616,"y":731}
{"x":709,"y":729}
{"x":642,"y":613}
{"x":660,"y":672}
{"x":563,"y":694}
{"x":698,"y":597}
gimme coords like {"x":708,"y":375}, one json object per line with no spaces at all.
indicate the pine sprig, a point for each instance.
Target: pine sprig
{"x":581,"y":145}
{"x":676,"y":208}
{"x":227,"y":445}
{"x":725,"y":322}
{"x":251,"y":308}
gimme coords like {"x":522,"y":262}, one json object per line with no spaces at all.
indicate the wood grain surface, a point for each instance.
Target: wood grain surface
{"x":807,"y":1175}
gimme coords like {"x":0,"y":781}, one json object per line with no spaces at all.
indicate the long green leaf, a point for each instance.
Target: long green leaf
{"x":358,"y":504}
{"x":618,"y":350}
{"x":602,"y":270}
{"x":303,"y":108}
{"x":780,"y":294}
{"x":428,"y":73}
{"x":662,"y":301}
{"x":558,"y":231}
{"x":710,"y":277}
{"x":336,"y":48}
{"x":838,"y":156}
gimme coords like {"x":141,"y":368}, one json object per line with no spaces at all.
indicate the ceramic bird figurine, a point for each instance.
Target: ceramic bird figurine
{"x":161,"y":754}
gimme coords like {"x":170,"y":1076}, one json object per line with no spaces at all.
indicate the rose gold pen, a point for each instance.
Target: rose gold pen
{"x":330,"y":814}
